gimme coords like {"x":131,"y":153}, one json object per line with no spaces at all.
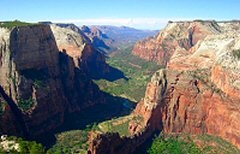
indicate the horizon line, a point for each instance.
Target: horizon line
{"x":137,"y":23}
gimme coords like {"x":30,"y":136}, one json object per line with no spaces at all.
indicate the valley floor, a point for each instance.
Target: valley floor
{"x":137,"y":74}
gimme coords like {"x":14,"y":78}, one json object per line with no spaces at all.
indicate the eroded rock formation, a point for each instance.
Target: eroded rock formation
{"x":38,"y":83}
{"x":202,"y":93}
{"x":175,"y":36}
{"x":99,"y":39}
{"x":198,"y":92}
{"x":30,"y":75}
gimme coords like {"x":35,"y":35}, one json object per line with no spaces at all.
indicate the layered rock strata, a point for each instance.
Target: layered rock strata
{"x":198,"y":92}
{"x":39,"y":84}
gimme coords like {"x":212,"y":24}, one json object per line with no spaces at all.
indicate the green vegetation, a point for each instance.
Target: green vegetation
{"x":173,"y":145}
{"x":69,"y":141}
{"x":203,"y":76}
{"x":26,"y":104}
{"x":75,"y":141}
{"x":236,"y":54}
{"x":199,"y":20}
{"x":11,"y":24}
{"x":30,"y":147}
{"x":200,"y":74}
{"x":13,"y":79}
{"x":2,"y":107}
{"x":119,"y":125}
{"x":185,"y":143}
{"x":137,"y":70}
{"x":214,"y":144}
{"x":39,"y":83}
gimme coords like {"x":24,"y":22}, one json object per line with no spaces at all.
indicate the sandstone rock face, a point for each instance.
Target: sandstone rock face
{"x":112,"y":143}
{"x":198,"y":92}
{"x":191,"y":105}
{"x":8,"y":121}
{"x":202,"y":93}
{"x":41,"y":84}
{"x":148,"y":107}
{"x":30,"y":75}
{"x":107,"y":143}
{"x":75,"y":44}
{"x":175,"y":36}
{"x":196,"y":107}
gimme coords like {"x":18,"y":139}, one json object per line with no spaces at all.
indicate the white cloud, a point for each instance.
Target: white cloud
{"x":141,"y":23}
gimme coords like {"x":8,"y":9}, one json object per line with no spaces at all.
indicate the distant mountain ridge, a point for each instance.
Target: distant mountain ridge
{"x":107,"y":38}
{"x":119,"y":32}
{"x":99,"y":39}
{"x":118,"y":36}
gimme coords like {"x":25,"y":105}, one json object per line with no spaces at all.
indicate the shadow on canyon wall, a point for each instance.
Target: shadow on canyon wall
{"x":110,"y":107}
{"x":143,"y":148}
{"x":92,"y":105}
{"x":16,"y":112}
{"x":113,"y":108}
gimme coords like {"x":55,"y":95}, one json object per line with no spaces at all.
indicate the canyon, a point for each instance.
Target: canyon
{"x":112,"y":38}
{"x":48,"y":71}
{"x":197,"y":92}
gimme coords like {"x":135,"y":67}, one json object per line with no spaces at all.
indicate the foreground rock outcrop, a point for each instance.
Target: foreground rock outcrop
{"x":198,"y":92}
{"x":38,"y":83}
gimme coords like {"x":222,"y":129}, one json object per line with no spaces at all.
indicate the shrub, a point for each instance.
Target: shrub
{"x":172,"y":145}
{"x":36,"y":149}
{"x":236,"y":53}
{"x":71,"y":141}
{"x":198,"y":20}
{"x":39,"y":83}
{"x":27,"y":104}
{"x":3,"y":105}
{"x":11,"y":24}
{"x":30,"y":147}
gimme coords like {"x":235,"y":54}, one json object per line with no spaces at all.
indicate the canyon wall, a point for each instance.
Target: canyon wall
{"x":202,"y":93}
{"x":175,"y":36}
{"x":30,"y":76}
{"x":38,"y":83}
{"x":199,"y":90}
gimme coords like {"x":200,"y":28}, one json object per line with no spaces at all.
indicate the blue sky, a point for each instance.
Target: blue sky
{"x":144,"y":14}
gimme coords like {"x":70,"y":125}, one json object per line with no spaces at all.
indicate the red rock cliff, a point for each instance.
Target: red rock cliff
{"x":30,"y":75}
{"x":199,"y":91}
{"x":39,"y":83}
{"x":202,"y":93}
{"x":175,"y":36}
